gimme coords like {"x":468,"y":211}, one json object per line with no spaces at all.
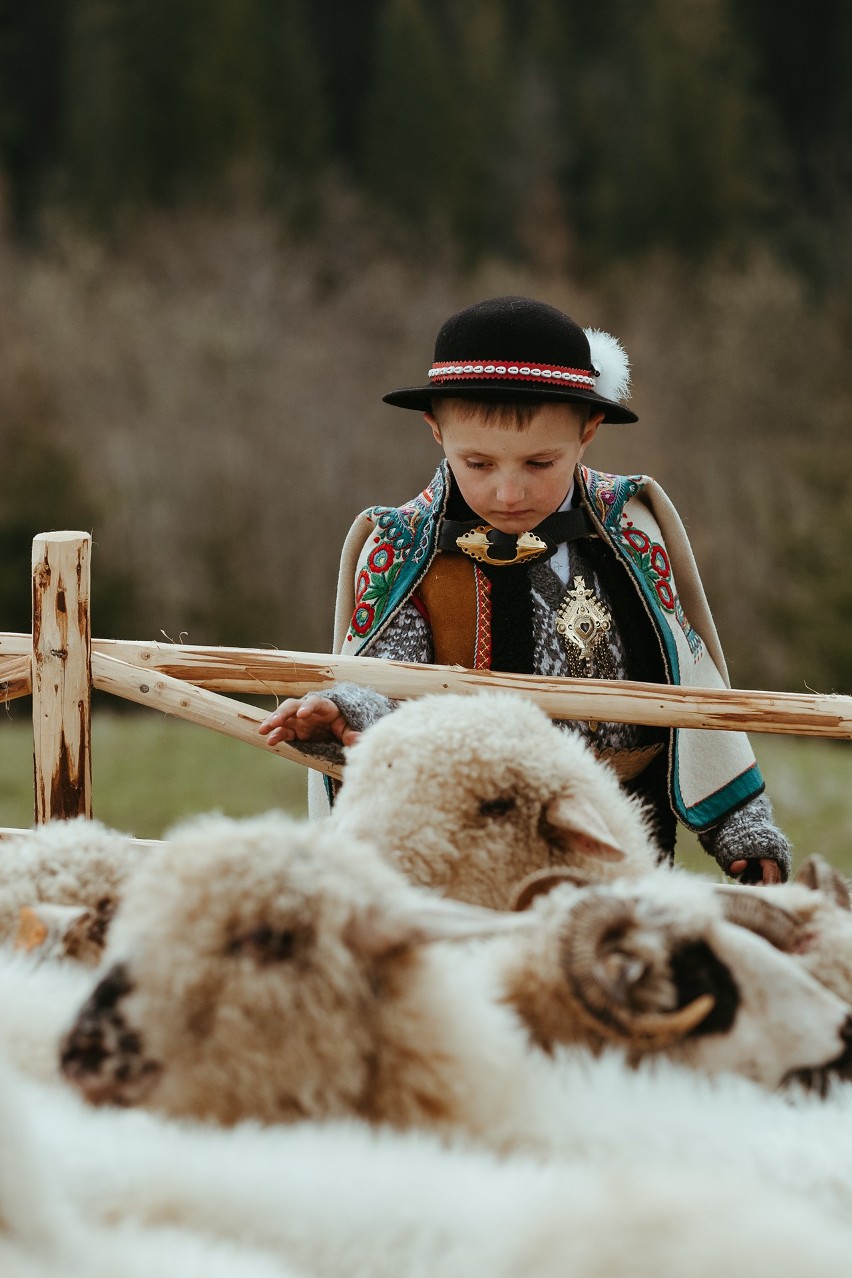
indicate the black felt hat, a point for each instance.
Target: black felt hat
{"x":517,"y":350}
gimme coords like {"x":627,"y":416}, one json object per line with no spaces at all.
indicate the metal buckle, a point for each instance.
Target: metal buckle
{"x":475,"y":543}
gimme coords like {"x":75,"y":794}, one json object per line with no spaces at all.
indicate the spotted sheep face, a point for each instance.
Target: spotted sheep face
{"x":243,"y":976}
{"x":219,"y":986}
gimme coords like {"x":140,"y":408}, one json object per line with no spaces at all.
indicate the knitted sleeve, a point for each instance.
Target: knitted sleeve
{"x":748,"y":834}
{"x":407,"y":637}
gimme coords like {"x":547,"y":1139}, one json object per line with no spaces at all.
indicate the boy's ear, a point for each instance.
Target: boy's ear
{"x":591,"y":428}
{"x":435,"y":428}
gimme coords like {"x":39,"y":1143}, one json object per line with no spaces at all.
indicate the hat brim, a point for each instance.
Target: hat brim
{"x":420,"y":397}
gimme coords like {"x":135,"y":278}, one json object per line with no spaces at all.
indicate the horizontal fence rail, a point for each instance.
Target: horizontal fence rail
{"x":259,"y":671}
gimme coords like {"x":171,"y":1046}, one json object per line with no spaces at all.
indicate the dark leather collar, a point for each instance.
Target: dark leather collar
{"x":564,"y":525}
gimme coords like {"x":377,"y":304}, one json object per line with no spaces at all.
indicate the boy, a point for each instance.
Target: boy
{"x":517,"y":558}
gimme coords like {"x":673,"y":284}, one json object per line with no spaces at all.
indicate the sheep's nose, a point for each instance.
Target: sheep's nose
{"x":843,"y":1064}
{"x":83,"y":1052}
{"x":99,"y":1030}
{"x":107,"y":992}
{"x":818,"y":1080}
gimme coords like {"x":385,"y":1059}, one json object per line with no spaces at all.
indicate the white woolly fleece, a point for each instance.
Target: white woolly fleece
{"x":610,"y":358}
{"x":654,"y":1153}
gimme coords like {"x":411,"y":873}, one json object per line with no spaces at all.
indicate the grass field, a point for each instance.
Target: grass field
{"x":150,"y":771}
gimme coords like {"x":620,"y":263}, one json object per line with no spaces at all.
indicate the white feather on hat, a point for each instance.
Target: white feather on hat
{"x":610,"y":359}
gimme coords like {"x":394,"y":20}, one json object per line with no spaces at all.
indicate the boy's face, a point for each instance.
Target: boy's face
{"x":514,"y":478}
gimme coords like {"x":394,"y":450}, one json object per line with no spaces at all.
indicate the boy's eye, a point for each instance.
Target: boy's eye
{"x":475,"y":465}
{"x":541,"y":465}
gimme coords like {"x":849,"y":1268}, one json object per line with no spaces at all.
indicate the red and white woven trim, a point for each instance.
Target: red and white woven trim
{"x":505,"y":372}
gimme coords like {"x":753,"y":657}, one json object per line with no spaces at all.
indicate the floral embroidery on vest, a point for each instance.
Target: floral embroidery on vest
{"x":408,"y":526}
{"x":652,"y":562}
{"x":401,"y":547}
{"x":374,"y":587}
{"x":609,"y":494}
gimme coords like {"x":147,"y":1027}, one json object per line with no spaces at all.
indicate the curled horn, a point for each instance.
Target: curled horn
{"x":540,"y":882}
{"x":754,"y":911}
{"x":602,"y":1003}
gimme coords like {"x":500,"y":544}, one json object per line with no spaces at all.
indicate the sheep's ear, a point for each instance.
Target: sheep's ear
{"x":816,"y":873}
{"x":377,"y":932}
{"x":57,"y":927}
{"x":579,"y":826}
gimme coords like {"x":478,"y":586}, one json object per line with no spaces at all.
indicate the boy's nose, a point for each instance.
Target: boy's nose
{"x":510,"y":491}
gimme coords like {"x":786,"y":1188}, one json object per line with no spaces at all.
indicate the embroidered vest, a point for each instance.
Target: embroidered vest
{"x":710,"y":772}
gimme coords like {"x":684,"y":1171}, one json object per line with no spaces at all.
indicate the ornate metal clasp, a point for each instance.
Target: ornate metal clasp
{"x":582,"y":619}
{"x":475,"y":543}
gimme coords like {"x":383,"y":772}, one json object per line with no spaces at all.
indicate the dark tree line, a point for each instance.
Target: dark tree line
{"x":503,"y":124}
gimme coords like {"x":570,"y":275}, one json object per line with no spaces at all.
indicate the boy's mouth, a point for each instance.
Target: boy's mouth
{"x":524,"y":517}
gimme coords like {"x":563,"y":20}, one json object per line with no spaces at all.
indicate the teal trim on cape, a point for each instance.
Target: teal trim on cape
{"x":707,"y":813}
{"x":608,"y":495}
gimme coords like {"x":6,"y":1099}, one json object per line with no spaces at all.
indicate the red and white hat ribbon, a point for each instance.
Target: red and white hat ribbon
{"x":609,"y":375}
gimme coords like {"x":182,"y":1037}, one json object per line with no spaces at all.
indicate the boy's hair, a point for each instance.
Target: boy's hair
{"x":504,"y":414}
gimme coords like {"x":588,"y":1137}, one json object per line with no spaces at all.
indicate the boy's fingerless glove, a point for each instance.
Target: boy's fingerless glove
{"x":359,"y":706}
{"x":748,"y":834}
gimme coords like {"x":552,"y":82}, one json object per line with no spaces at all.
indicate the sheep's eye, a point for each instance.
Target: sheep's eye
{"x":265,"y":945}
{"x":499,"y":807}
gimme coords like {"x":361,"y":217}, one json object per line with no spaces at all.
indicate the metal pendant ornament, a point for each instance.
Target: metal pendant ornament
{"x":583,"y":621}
{"x":476,"y":544}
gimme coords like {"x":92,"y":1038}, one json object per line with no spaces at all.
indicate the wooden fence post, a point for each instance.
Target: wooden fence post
{"x":62,"y":676}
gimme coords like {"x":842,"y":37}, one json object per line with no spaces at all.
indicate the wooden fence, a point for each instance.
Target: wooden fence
{"x":60,"y":663}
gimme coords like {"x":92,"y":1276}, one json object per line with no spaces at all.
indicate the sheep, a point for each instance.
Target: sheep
{"x":470,"y":795}
{"x":810,"y":918}
{"x":656,"y":964}
{"x":77,"y":863}
{"x":294,"y":965}
{"x":272,"y":970}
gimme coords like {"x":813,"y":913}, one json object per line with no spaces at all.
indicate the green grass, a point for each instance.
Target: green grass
{"x":150,"y":771}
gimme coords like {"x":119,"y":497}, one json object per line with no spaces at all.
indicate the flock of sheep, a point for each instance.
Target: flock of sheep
{"x":464,"y":1026}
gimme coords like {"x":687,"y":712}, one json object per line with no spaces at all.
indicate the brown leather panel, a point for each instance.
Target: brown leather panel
{"x":448,"y":592}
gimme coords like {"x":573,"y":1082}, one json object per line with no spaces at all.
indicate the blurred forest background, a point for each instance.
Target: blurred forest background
{"x":228,"y":226}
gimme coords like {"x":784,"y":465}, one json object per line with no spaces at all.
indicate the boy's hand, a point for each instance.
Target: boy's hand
{"x":762,"y":871}
{"x":309,"y":718}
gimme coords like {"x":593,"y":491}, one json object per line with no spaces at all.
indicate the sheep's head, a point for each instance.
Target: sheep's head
{"x":656,"y":965}
{"x":472,"y":794}
{"x":245,"y":970}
